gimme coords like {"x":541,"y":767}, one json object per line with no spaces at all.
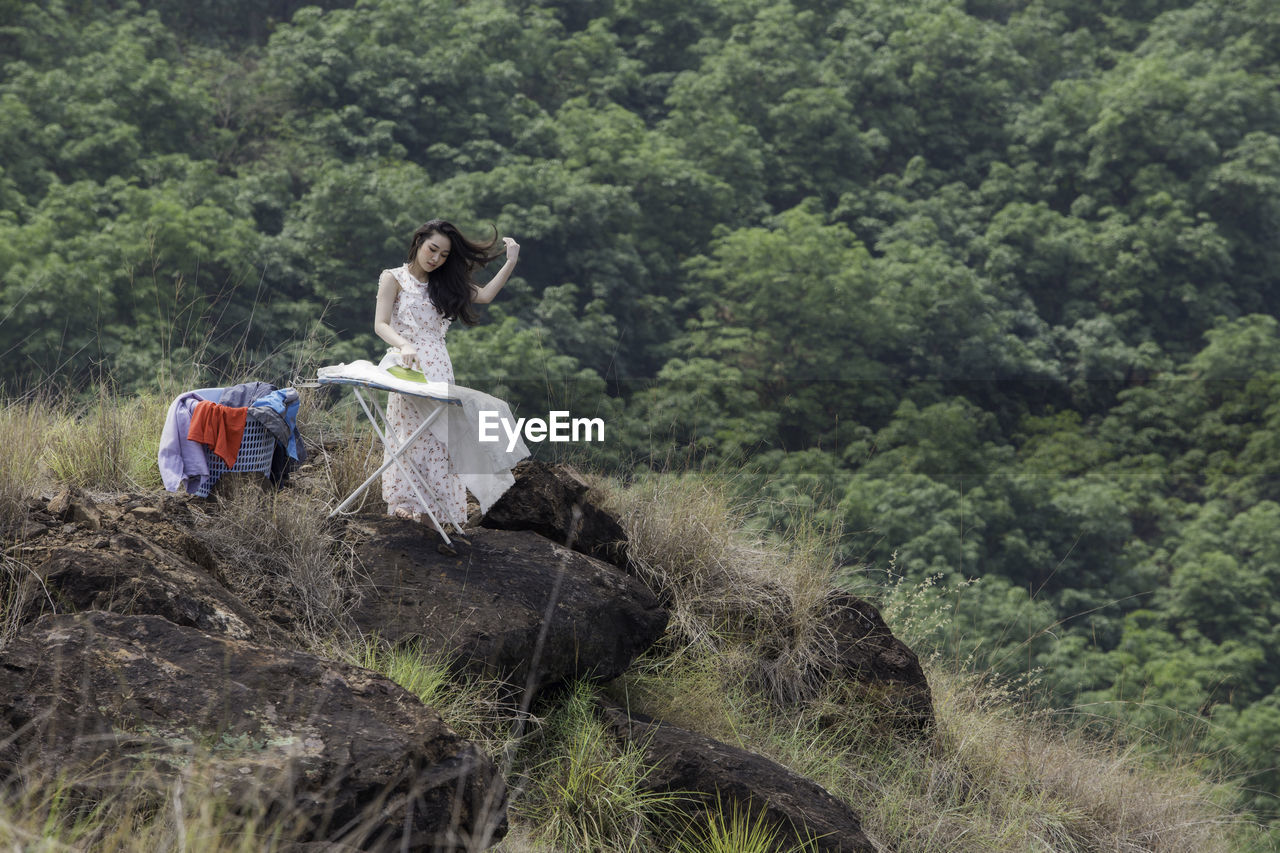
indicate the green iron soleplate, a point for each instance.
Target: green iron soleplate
{"x":405,"y":373}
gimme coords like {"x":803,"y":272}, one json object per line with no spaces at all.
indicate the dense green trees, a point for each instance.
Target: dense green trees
{"x":990,"y":285}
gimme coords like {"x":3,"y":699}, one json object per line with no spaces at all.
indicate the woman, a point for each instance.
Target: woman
{"x":416,"y":303}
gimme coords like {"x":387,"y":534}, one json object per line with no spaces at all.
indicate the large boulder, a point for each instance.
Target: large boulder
{"x":511,"y":604}
{"x":347,"y":755}
{"x":714,"y":776}
{"x":551,"y":500}
{"x":881,"y":669}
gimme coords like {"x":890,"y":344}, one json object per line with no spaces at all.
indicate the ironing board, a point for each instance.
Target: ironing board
{"x":397,"y":448}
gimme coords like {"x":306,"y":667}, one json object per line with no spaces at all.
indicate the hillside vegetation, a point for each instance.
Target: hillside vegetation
{"x":986,"y":289}
{"x":994,"y":774}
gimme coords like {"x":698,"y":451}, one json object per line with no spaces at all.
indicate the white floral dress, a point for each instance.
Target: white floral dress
{"x":415,"y":318}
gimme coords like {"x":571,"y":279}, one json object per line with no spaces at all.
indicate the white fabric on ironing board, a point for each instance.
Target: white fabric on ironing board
{"x":483,"y":467}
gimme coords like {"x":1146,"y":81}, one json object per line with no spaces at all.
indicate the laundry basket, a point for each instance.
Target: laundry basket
{"x":256,"y":448}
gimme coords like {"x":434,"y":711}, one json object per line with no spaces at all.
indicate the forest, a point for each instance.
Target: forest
{"x":990,"y":287}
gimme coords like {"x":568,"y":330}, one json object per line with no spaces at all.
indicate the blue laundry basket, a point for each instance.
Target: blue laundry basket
{"x":257,"y":446}
{"x":256,"y":449}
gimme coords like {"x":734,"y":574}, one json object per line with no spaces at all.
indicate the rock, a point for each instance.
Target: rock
{"x":72,"y":505}
{"x":29,"y":529}
{"x":715,"y":775}
{"x":885,"y":670}
{"x":176,"y":506}
{"x":87,"y":515}
{"x":551,"y":501}
{"x":135,"y":576}
{"x":59,"y":505}
{"x":342,"y":753}
{"x":485,"y":607}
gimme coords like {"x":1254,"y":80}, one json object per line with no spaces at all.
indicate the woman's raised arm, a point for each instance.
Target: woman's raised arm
{"x":485,"y":294}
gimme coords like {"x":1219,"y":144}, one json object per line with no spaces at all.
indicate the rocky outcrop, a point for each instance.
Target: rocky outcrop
{"x":128,"y":574}
{"x":133,"y":555}
{"x":182,"y":668}
{"x":113,"y":699}
{"x":714,"y":776}
{"x":512,"y":604}
{"x":551,"y":500}
{"x":71,"y":505}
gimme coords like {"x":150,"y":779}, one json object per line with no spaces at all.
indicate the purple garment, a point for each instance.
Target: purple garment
{"x":182,"y":461}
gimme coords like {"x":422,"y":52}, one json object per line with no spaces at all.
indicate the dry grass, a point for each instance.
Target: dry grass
{"x":147,"y":813}
{"x":1001,"y":777}
{"x":282,"y":556}
{"x":997,"y":776}
{"x":731,"y":592}
{"x":20,"y":587}
{"x":24,"y":427}
{"x":345,"y":452}
{"x":109,"y":444}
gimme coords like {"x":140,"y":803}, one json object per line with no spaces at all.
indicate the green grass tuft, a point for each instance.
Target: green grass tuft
{"x":735,"y":830}
{"x":585,"y":792}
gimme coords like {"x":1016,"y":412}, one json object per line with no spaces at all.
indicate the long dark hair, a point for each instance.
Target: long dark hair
{"x":449,"y":285}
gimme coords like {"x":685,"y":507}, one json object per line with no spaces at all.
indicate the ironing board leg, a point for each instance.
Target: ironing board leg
{"x":396,"y":450}
{"x":421,"y":480}
{"x":385,"y":465}
{"x":411,"y":473}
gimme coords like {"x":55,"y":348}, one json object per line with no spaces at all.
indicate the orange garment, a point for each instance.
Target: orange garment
{"x":220,"y":428}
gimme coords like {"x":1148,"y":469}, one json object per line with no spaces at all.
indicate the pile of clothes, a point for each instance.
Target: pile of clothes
{"x":215,"y":418}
